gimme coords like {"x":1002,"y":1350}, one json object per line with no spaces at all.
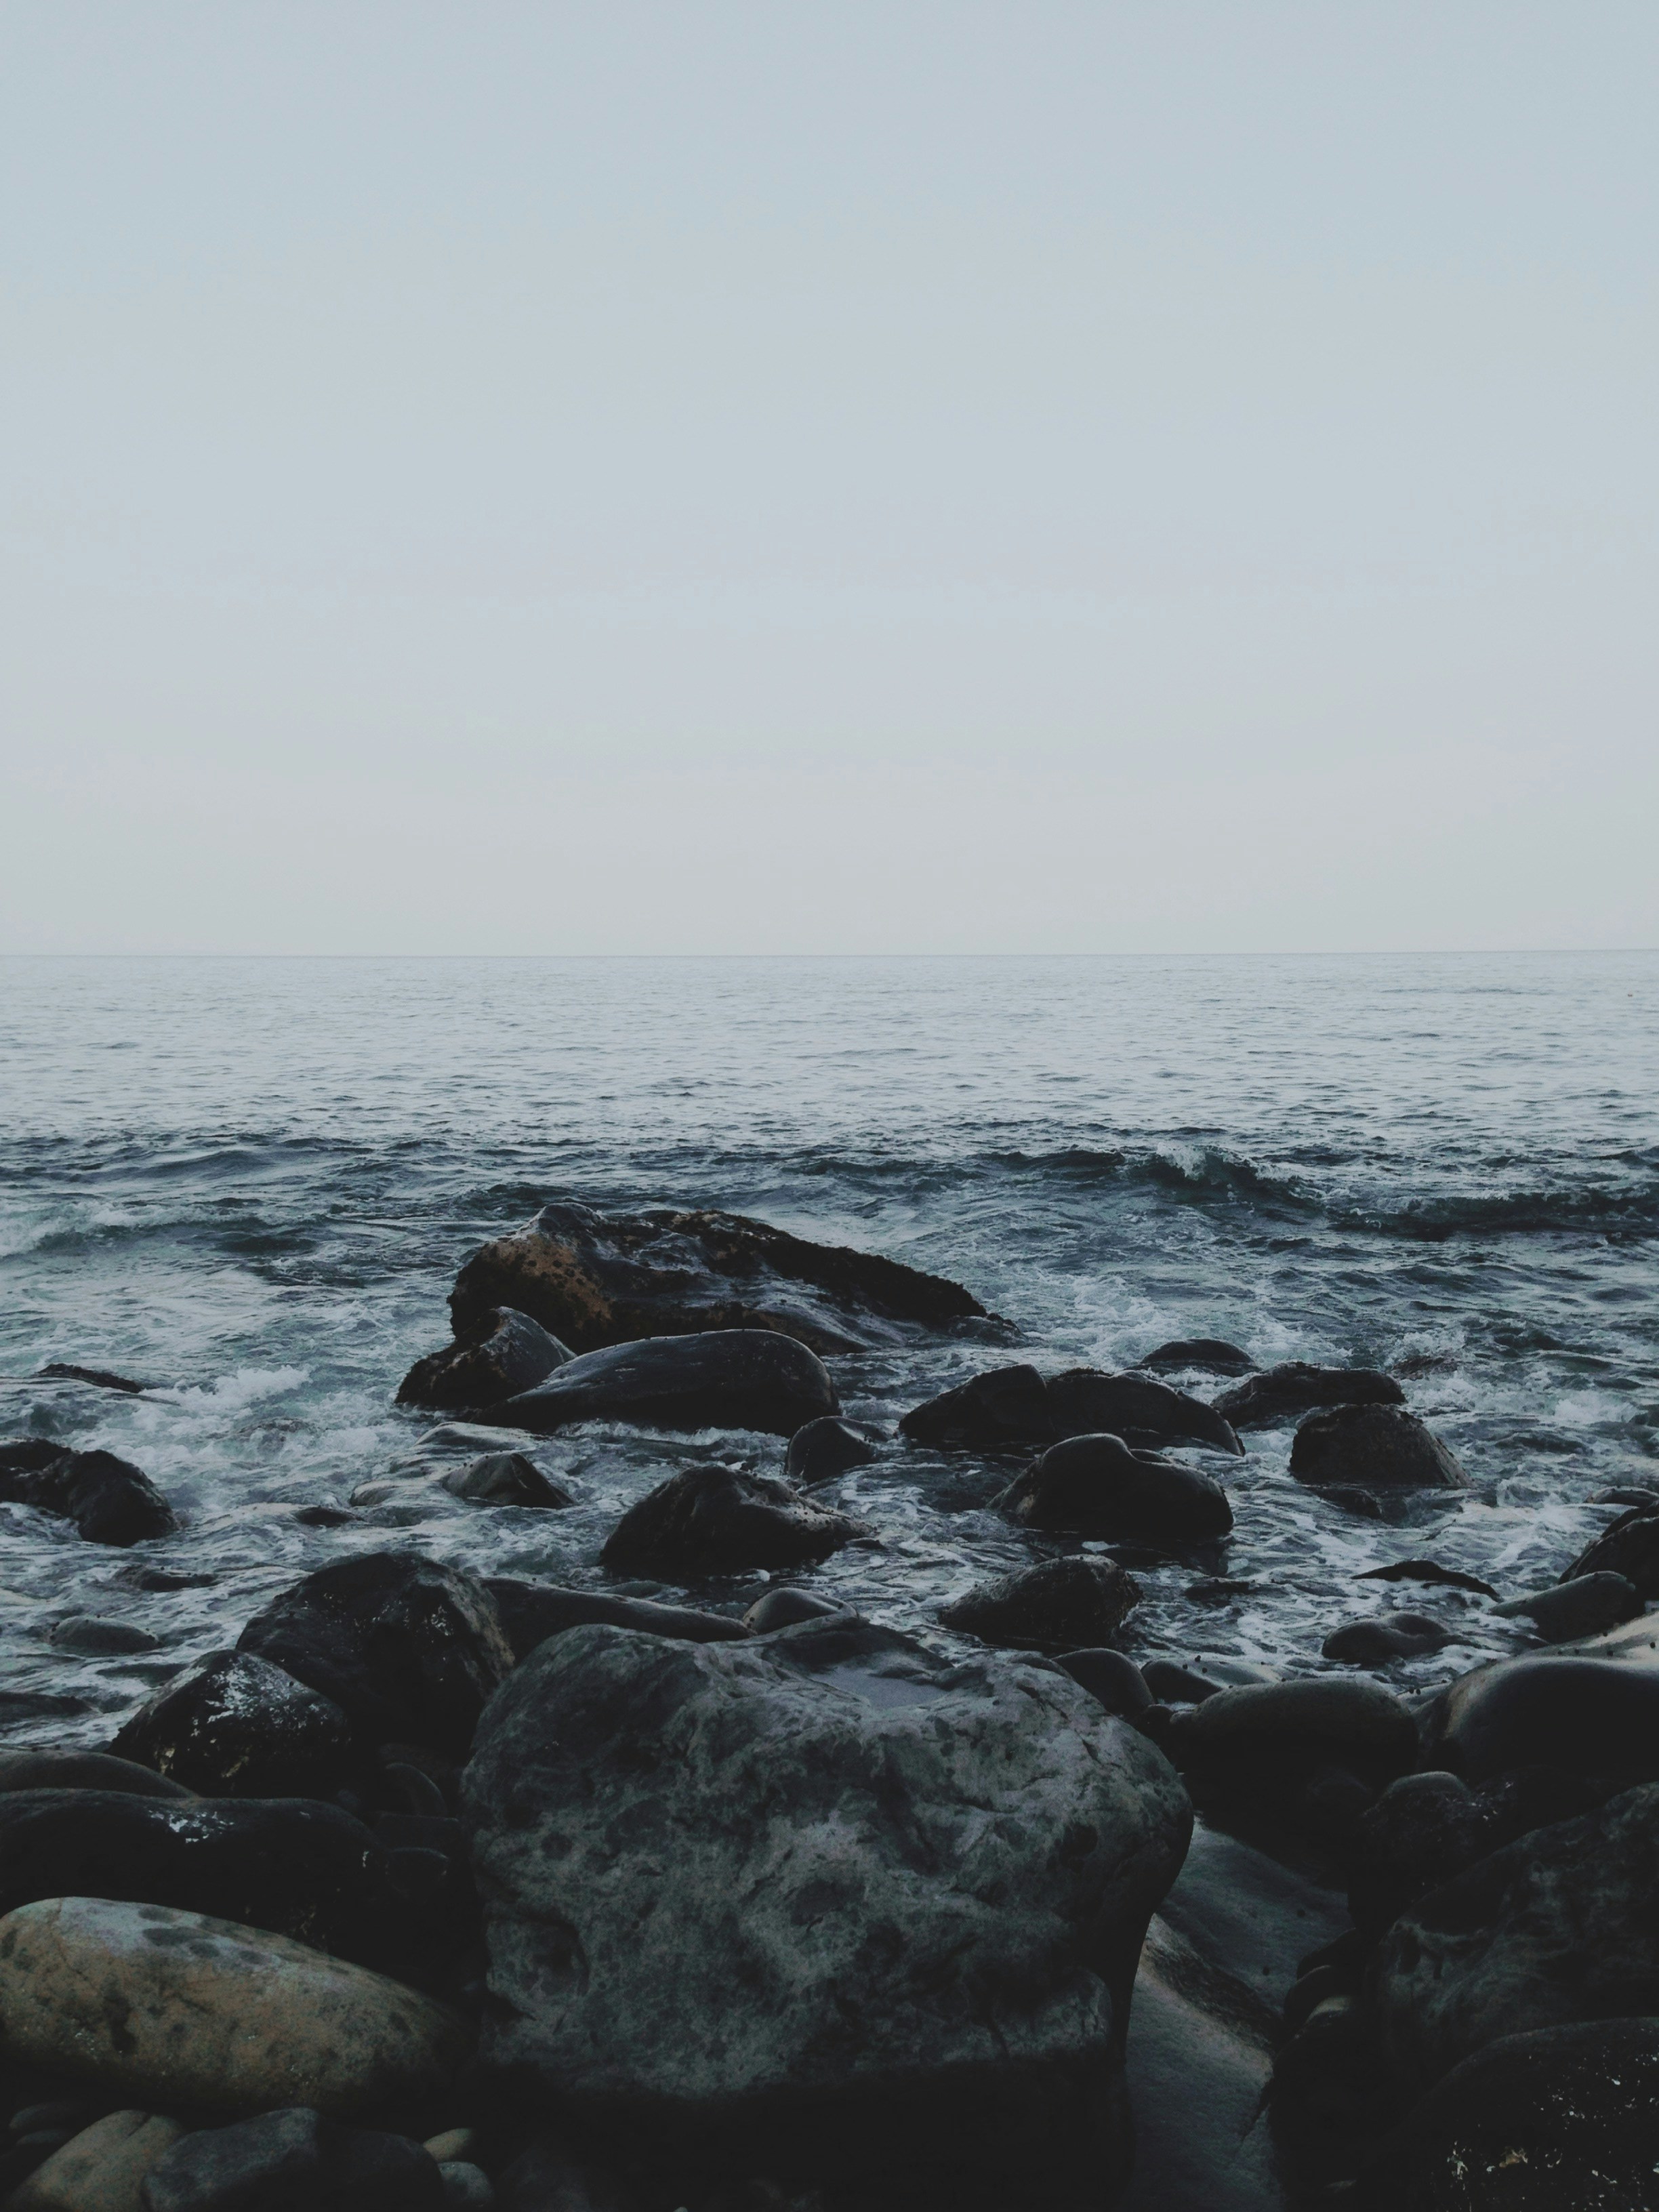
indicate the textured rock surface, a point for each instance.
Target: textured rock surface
{"x":1097,"y":1486}
{"x":735,"y":1378}
{"x":1064,"y":1605}
{"x":109,"y":1500}
{"x":1279,"y":1395}
{"x":718,"y":1521}
{"x":1015,"y":1408}
{"x":824,"y":1449}
{"x":233,"y":1725}
{"x":505,"y":1478}
{"x":596,"y":1280}
{"x":498,"y":1355}
{"x":1375,"y":1446}
{"x":295,"y":2159}
{"x":408,"y":1650}
{"x":1559,"y":1927}
{"x":102,"y":2169}
{"x":175,"y":2010}
{"x":857,"y":1865}
{"x":531,"y":1612}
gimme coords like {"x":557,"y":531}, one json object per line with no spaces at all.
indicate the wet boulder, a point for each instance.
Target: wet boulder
{"x":531,"y":1612}
{"x":293,"y":2157}
{"x":496,"y":1355}
{"x":735,"y":1378}
{"x":408,"y":1650}
{"x":786,"y":1607}
{"x":109,"y":1500}
{"x":1388,"y":1636}
{"x":1207,"y":1355}
{"x":1097,"y":1486}
{"x":901,"y":1888}
{"x":1280,"y":1394}
{"x":96,"y":1378}
{"x":1015,"y":1408}
{"x":100,"y":1636}
{"x":83,"y":1770}
{"x":1375,"y":1446}
{"x":1584,"y":1607}
{"x":505,"y":1478}
{"x":720,"y":1521}
{"x":824,"y":1449}
{"x":1427,"y":1828}
{"x":1585,"y":1716}
{"x":232,"y":1725}
{"x":596,"y":1280}
{"x":1110,"y":1678}
{"x":1628,"y":1547}
{"x":1555,"y":1928}
{"x":1267,"y":1738}
{"x":1176,"y":1682}
{"x":1064,"y":1605}
{"x":183,"y":2009}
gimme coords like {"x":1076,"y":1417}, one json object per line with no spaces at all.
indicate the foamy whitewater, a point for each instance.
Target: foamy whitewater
{"x":250,"y":1183}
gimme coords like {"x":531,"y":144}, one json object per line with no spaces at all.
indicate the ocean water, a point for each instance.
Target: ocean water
{"x":250,"y":1183}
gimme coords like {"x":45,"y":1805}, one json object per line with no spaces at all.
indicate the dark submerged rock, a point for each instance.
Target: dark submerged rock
{"x":496,"y":1355}
{"x":505,"y":1478}
{"x":232,"y":1725}
{"x":531,"y":1612}
{"x":786,"y":1608}
{"x":1426,"y":1571}
{"x":1584,"y":1607}
{"x":824,"y":1449}
{"x":1279,"y":1395}
{"x":1062,"y":1605}
{"x":718,"y":1521}
{"x":1210,"y":1355}
{"x":1381,"y":1446}
{"x":1390,"y":1636}
{"x":1189,"y":1684}
{"x":109,"y":1499}
{"x":99,"y":1378}
{"x":292,"y":2158}
{"x":408,"y":1650}
{"x":737,"y":1378}
{"x":597,"y":1280}
{"x":1097,"y":1486}
{"x":1585,"y":1716}
{"x":1013,"y":1408}
{"x":84,"y":1770}
{"x":1630,"y":1547}
{"x":100,"y":1636}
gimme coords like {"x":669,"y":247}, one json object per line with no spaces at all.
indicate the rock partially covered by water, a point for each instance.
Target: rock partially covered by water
{"x":1013,"y":1408}
{"x":232,"y":1725}
{"x":596,"y":1280}
{"x":1585,"y":1716}
{"x":1210,"y":1355}
{"x":824,"y":1449}
{"x":1559,"y":1927}
{"x":494,"y":1357}
{"x":1388,"y":1636}
{"x":1427,"y":1828}
{"x":1064,"y":1605}
{"x":892,"y":1879}
{"x":296,"y":2157}
{"x":1279,"y":1394}
{"x":531,"y":1612}
{"x":1372,"y":1447}
{"x":1629,"y":1547}
{"x":505,"y":1478}
{"x":109,"y":1500}
{"x":179,"y":2009}
{"x":1098,"y":1486}
{"x":718,"y":1521}
{"x":1584,"y":1606}
{"x":733,"y":1378}
{"x":408,"y":1650}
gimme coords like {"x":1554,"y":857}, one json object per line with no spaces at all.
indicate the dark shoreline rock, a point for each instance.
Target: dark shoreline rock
{"x":97,"y":1378}
{"x":1278,"y":1394}
{"x":233,"y":1725}
{"x":531,"y":1612}
{"x":1097,"y":1486}
{"x":733,"y":1378}
{"x":718,"y":1520}
{"x":1016,"y":1408}
{"x":824,"y":1449}
{"x":1064,"y":1605}
{"x":1382,"y":1447}
{"x":494,"y":1357}
{"x":1210,"y":1355}
{"x":109,"y":1499}
{"x":1627,"y":1547}
{"x":1584,"y":1714}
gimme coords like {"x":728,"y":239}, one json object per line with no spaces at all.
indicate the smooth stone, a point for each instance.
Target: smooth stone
{"x":1628,"y":1547}
{"x":1015,"y":1408}
{"x":1189,"y":1683}
{"x":83,"y":1770}
{"x":1381,"y":1446}
{"x":1110,"y":1679}
{"x":102,"y":2169}
{"x":408,"y":1650}
{"x":1587,"y":1716}
{"x":1069,"y":1604}
{"x":99,"y":1378}
{"x":232,"y":1725}
{"x":786,"y":1608}
{"x":295,"y":2158}
{"x":824,"y":1449}
{"x":1390,"y":1635}
{"x":466,"y":2187}
{"x":597,"y":1280}
{"x":98,"y":1636}
{"x":1584,"y":1607}
{"x":720,"y":1521}
{"x":1279,"y":1395}
{"x":1555,"y":1928}
{"x":1097,"y":1486}
{"x":176,"y":2008}
{"x":496,"y":1355}
{"x":452,"y":2144}
{"x":1210,"y":1355}
{"x":739,"y":1378}
{"x":1006,"y":1837}
{"x":109,"y":1500}
{"x":531,"y":1612}
{"x":505,"y":1478}
{"x":1271,"y":1734}
{"x":293,"y":1865}
{"x":1428,"y":1826}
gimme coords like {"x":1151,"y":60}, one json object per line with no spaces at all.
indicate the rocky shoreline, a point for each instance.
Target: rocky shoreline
{"x":439,"y":1889}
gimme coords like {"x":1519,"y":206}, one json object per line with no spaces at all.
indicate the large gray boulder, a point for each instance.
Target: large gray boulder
{"x":725,"y":1879}
{"x":726,"y":1378}
{"x":1555,"y":1928}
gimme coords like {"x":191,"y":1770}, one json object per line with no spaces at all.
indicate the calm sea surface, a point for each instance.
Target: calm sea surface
{"x":251,"y":1182}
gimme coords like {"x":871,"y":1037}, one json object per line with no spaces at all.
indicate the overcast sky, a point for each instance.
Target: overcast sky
{"x":809,"y":477}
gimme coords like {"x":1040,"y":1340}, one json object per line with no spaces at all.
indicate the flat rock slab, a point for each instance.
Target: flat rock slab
{"x":733,"y":1378}
{"x":174,"y":2009}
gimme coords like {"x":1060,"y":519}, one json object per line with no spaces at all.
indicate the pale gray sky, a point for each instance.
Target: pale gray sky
{"x":875,"y":475}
